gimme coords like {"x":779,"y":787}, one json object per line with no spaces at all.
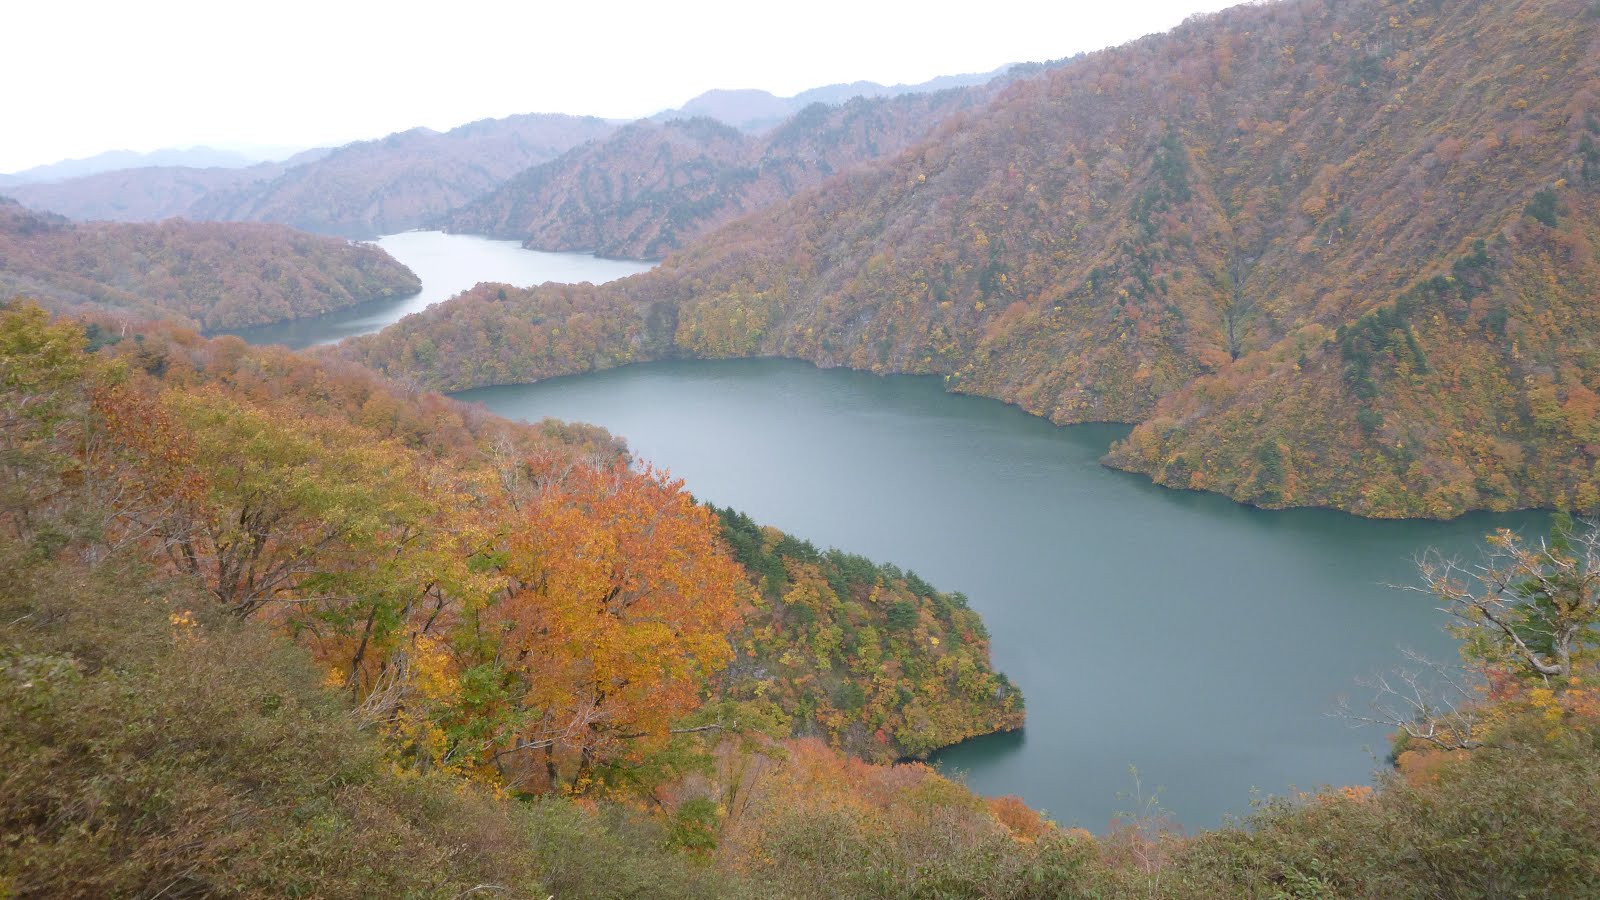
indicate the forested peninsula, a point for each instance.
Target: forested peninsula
{"x":208,"y":275}
{"x":276,"y":625}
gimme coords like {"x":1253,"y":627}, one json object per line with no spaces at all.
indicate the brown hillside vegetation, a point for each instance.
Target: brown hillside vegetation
{"x":654,"y":188}
{"x":1326,"y":253}
{"x":401,"y":181}
{"x":205,"y":274}
{"x":274,"y":626}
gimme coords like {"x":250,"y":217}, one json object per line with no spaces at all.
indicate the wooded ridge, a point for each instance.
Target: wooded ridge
{"x":1324,"y":254}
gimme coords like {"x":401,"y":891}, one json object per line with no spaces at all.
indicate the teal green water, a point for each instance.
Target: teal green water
{"x":447,"y":264}
{"x":1201,"y":641}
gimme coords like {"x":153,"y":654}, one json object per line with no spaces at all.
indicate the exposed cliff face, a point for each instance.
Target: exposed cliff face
{"x":1259,"y":235}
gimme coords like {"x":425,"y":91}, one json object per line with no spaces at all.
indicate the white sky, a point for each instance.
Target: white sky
{"x":83,"y":76}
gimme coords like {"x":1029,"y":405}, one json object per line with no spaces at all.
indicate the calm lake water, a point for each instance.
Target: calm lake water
{"x":1203,"y":642}
{"x":447,"y":264}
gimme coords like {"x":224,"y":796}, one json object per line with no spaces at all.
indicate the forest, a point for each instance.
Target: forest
{"x":1322,"y":254}
{"x":203,"y":274}
{"x":292,"y":624}
{"x":360,"y":190}
{"x":277,"y":625}
{"x":652,"y":188}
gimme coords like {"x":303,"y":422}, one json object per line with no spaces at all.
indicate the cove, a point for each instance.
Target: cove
{"x":1202,"y":642}
{"x":447,"y":264}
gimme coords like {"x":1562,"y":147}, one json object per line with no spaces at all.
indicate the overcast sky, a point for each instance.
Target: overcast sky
{"x":83,"y":77}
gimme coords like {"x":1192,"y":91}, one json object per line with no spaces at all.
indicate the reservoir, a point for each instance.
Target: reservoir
{"x":1200,"y":642}
{"x":447,"y":264}
{"x":1203,"y":643}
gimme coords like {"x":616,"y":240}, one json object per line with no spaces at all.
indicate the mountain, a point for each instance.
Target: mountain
{"x":203,"y":274}
{"x":654,"y":187}
{"x":363,"y":189}
{"x":754,"y":110}
{"x":403,"y":180}
{"x":147,"y":194}
{"x":191,"y":157}
{"x":150,"y":193}
{"x":747,"y":109}
{"x":1325,"y":254}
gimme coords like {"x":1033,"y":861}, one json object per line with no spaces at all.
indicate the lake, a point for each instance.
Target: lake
{"x":447,"y":264}
{"x":1201,"y":642}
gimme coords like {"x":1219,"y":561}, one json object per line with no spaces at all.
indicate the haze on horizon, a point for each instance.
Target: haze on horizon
{"x":87,"y":76}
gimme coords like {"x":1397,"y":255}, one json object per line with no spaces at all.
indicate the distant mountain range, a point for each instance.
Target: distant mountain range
{"x":421,"y":177}
{"x":148,"y":193}
{"x":359,"y":190}
{"x":400,"y":182}
{"x":112,"y":160}
{"x":657,"y":185}
{"x":654,"y":187}
{"x":756,"y":110}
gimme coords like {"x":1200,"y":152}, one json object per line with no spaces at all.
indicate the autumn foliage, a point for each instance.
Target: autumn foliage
{"x":1332,"y":254}
{"x":485,"y":590}
{"x":870,"y":658}
{"x":516,"y":603}
{"x":620,"y":603}
{"x":273,"y":624}
{"x":205,"y":275}
{"x":653,"y":188}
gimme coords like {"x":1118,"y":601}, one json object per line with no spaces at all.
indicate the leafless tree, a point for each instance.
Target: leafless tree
{"x":1530,"y":609}
{"x":1428,"y":700}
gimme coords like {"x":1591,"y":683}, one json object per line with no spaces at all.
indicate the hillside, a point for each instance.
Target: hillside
{"x":1326,"y":254}
{"x":274,"y":625}
{"x":869,"y":658}
{"x":511,"y":609}
{"x":401,"y":181}
{"x":205,"y":274}
{"x":652,"y":189}
{"x":623,"y":197}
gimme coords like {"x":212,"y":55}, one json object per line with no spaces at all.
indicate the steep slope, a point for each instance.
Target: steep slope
{"x":1225,"y":211}
{"x":868,"y":657}
{"x":401,"y":181}
{"x":654,"y":188}
{"x":205,"y":274}
{"x":625,"y":196}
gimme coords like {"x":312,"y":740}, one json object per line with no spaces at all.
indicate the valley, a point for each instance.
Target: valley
{"x":1164,"y":470}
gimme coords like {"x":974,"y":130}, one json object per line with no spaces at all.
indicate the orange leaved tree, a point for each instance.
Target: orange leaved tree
{"x":622,"y":601}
